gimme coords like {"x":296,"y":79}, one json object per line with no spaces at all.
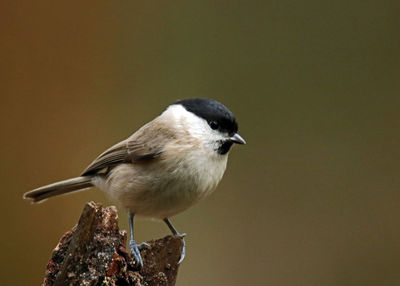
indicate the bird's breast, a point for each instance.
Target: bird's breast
{"x":168,"y":186}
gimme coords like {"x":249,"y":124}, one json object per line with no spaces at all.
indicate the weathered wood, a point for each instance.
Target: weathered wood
{"x":93,"y":253}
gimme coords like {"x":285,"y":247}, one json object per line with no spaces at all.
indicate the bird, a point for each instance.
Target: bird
{"x":163,"y":168}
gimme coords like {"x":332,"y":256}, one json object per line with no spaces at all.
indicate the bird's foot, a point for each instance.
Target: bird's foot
{"x":183,"y":251}
{"x":135,"y":250}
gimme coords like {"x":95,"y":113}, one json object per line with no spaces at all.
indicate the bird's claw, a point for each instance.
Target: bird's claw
{"x":182,"y":235}
{"x":143,"y":245}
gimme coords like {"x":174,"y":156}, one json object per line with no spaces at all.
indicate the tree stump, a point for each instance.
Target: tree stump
{"x":93,"y":253}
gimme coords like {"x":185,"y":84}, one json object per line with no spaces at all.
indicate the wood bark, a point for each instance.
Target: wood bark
{"x":94,"y":253}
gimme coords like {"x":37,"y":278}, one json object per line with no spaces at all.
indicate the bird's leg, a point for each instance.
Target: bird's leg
{"x":134,"y":246}
{"x":176,"y":233}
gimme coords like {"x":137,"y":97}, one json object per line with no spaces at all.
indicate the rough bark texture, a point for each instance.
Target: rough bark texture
{"x":93,"y":253}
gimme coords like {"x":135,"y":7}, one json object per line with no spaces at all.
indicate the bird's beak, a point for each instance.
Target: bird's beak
{"x":236,"y":138}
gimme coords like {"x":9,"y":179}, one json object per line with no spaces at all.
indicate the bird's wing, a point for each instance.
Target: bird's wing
{"x":143,"y":146}
{"x":112,"y":156}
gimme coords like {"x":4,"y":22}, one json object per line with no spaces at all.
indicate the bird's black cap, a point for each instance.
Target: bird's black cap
{"x":215,"y":113}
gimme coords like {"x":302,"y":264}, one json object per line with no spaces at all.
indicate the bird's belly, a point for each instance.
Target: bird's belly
{"x":161,"y":193}
{"x":166,"y":199}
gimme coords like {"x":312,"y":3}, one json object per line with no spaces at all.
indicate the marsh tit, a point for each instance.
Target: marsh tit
{"x":165,"y":167}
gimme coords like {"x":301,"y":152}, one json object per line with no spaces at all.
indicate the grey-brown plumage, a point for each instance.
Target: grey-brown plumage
{"x":59,"y":188}
{"x":143,"y":146}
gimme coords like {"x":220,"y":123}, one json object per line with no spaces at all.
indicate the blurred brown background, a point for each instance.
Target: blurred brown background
{"x":312,"y":199}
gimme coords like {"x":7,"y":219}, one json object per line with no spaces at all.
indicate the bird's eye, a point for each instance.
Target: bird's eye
{"x":214,"y":125}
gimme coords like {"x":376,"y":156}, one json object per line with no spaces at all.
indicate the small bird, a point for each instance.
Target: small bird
{"x":163,"y":168}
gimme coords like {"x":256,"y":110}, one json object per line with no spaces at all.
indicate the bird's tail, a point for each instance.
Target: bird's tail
{"x":59,"y":188}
